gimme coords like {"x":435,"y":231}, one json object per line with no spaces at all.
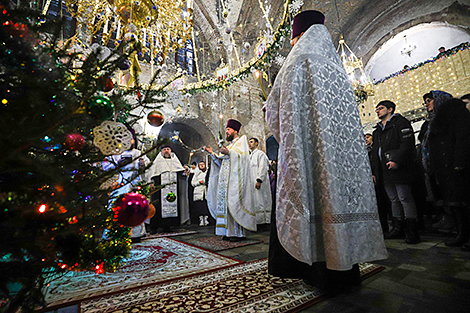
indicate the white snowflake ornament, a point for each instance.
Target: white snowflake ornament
{"x":112,"y":138}
{"x":175,"y":98}
{"x":295,"y":6}
{"x":280,"y":59}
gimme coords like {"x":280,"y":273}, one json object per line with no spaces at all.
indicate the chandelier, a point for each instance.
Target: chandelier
{"x":362,"y":85}
{"x":408,"y":49}
{"x":160,"y":25}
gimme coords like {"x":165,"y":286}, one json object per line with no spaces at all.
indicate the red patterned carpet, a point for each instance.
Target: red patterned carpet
{"x":150,"y":262}
{"x":242,"y":288}
{"x":217,"y":244}
{"x":176,"y":232}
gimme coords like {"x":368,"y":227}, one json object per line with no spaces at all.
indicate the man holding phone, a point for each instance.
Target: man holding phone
{"x":392,"y":163}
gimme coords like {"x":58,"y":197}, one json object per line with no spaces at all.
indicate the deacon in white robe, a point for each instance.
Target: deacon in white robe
{"x":168,"y":172}
{"x":326,"y":209}
{"x":261,"y":187}
{"x":229,"y":197}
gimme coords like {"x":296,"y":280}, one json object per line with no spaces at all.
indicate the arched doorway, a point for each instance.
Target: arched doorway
{"x":193,"y":133}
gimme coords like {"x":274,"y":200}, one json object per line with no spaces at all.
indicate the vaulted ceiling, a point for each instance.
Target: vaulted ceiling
{"x":365,"y":24}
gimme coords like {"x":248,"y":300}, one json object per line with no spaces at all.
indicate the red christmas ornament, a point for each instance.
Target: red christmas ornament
{"x":74,"y":141}
{"x":131,"y":209}
{"x":105,"y":83}
{"x":155,"y":118}
{"x":152,"y":211}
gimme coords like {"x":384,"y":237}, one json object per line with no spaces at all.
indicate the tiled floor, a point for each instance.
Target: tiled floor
{"x":422,"y":278}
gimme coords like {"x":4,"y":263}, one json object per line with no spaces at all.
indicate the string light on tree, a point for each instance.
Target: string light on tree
{"x":42,"y":208}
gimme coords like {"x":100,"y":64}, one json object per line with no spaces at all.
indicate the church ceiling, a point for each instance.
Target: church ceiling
{"x":365,"y":24}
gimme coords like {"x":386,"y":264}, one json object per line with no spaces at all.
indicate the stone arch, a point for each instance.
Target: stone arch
{"x":373,"y":25}
{"x":193,"y":132}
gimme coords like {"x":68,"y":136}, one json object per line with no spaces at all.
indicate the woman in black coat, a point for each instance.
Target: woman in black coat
{"x":449,"y":162}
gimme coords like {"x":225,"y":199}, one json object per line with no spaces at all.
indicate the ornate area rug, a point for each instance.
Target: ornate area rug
{"x":243,"y":288}
{"x":176,"y":232}
{"x":217,"y":244}
{"x":150,"y":262}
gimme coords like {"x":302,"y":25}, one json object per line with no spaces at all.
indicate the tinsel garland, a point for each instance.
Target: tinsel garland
{"x":261,"y":63}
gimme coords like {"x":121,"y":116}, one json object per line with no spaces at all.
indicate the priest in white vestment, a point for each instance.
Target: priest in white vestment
{"x":228,"y":196}
{"x":261,"y":187}
{"x":168,"y":172}
{"x":326,"y":210}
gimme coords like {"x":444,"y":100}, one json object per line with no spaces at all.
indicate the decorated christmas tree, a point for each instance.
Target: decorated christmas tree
{"x":54,"y":194}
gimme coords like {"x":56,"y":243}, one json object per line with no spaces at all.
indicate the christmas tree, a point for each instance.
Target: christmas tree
{"x":54,"y":195}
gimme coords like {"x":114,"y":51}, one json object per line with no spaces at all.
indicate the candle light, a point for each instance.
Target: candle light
{"x":189,"y":161}
{"x":221,"y":125}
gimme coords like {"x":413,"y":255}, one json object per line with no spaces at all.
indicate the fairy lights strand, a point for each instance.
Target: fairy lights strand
{"x":231,"y":36}
{"x":195,"y":56}
{"x":176,"y":138}
{"x":265,"y":15}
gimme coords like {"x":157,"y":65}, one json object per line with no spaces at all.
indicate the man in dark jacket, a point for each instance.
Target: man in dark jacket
{"x":392,"y":163}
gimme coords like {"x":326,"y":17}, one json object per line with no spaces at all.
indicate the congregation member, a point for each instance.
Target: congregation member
{"x":393,"y":165}
{"x":229,"y":192}
{"x":200,"y":212}
{"x":326,"y":219}
{"x":171,"y":202}
{"x":466,"y":99}
{"x":368,"y":139}
{"x":383,"y":203}
{"x":261,"y":190}
{"x":448,"y":146}
{"x":433,"y":100}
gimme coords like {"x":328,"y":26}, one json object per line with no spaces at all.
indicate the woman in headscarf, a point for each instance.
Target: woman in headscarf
{"x":432,"y":100}
{"x":448,"y":144}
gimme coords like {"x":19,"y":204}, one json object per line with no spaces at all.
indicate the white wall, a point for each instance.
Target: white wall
{"x":427,"y":38}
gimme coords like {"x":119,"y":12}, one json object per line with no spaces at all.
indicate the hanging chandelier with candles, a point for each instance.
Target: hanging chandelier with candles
{"x":362,"y":84}
{"x":161,"y":26}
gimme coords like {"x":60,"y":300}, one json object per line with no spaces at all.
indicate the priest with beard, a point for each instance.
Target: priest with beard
{"x":326,"y":219}
{"x":171,"y":202}
{"x":229,"y":191}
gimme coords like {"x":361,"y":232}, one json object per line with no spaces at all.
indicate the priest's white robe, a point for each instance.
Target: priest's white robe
{"x":228,"y":195}
{"x":262,"y":201}
{"x":326,"y":208}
